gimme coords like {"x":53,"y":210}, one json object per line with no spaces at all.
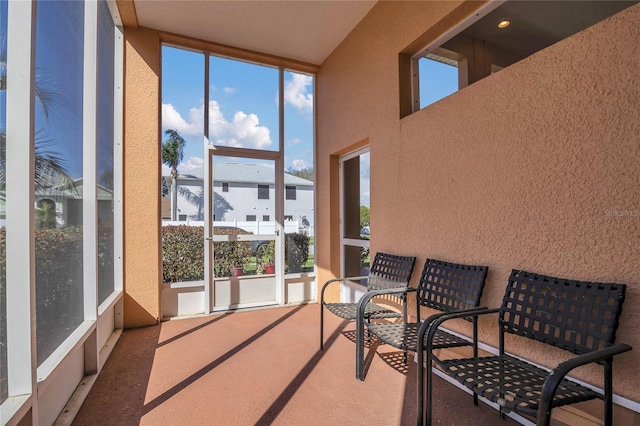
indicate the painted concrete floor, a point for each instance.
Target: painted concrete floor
{"x":263,"y":367}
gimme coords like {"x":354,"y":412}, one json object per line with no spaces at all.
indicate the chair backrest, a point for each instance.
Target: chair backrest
{"x":390,"y":271}
{"x":578,"y":316}
{"x":449,"y":286}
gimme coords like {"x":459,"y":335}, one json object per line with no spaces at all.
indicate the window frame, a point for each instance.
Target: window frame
{"x":290,"y":192}
{"x":263,"y":192}
{"x":28,"y":382}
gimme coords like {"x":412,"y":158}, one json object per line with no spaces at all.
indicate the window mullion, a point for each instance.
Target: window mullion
{"x":20,"y":296}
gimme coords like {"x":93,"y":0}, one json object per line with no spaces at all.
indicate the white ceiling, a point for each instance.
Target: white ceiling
{"x":306,"y":31}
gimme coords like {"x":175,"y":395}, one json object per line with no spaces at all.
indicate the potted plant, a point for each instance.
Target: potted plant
{"x":238,"y":256}
{"x":230,"y":257}
{"x":267,"y":258}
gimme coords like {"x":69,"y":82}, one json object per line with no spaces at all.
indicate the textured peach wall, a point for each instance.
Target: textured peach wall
{"x":535,"y":167}
{"x":142,"y":260}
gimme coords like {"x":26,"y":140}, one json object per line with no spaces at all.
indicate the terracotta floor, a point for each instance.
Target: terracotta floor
{"x":262,"y":367}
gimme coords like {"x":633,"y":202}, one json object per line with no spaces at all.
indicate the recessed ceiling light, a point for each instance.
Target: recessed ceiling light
{"x":504,"y":23}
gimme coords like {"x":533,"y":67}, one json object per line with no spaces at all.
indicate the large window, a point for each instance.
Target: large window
{"x":59,"y":154}
{"x":242,"y":108}
{"x":3,"y":201}
{"x":105,"y":151}
{"x":299,"y":171}
{"x":60,"y":102}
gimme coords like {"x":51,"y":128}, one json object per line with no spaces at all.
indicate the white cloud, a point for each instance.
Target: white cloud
{"x":191,"y":164}
{"x":229,"y":90}
{"x":171,"y":119}
{"x":296,"y":92}
{"x":365,"y":192}
{"x":294,"y":141}
{"x":244,"y":130}
{"x":300,"y":164}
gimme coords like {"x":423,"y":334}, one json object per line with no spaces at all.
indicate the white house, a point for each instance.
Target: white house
{"x":242,"y":192}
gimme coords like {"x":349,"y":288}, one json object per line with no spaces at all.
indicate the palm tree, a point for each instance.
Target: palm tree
{"x":172,"y":154}
{"x":50,"y":169}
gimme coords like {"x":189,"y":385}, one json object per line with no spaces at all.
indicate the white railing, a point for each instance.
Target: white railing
{"x":257,"y":227}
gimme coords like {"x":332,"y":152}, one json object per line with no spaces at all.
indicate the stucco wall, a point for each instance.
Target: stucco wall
{"x":142,"y":259}
{"x":535,"y":167}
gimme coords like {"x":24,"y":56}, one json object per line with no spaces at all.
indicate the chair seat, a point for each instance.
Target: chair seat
{"x":349,"y":311}
{"x":519,"y":390}
{"x":405,"y":336}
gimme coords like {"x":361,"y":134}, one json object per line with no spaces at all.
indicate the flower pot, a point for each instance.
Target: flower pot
{"x":236,"y":271}
{"x":269,"y":268}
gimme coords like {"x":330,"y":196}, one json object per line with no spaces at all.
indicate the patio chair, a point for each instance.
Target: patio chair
{"x":578,"y":316}
{"x":444,"y":287}
{"x":388,"y":271}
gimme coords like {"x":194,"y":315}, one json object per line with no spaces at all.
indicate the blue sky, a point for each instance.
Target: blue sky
{"x":243,"y":107}
{"x":437,"y":81}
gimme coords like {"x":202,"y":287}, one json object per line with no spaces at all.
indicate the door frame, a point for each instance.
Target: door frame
{"x":344,"y":241}
{"x":209,"y":282}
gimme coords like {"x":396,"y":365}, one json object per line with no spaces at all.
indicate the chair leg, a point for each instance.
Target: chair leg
{"x":321,"y":327}
{"x":608,"y":392}
{"x":420,"y":386}
{"x":360,"y":350}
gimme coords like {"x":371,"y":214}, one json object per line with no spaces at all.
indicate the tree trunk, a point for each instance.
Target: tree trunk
{"x":174,"y":199}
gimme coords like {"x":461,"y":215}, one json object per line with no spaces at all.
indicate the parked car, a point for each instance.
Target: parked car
{"x":257,"y":246}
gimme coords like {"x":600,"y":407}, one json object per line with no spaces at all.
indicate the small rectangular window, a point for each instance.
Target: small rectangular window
{"x":265,"y":218}
{"x":439,"y":75}
{"x":251,"y":218}
{"x":290,"y":192}
{"x":287,"y":217}
{"x":263,"y":192}
{"x":182,"y":217}
{"x":225,"y":187}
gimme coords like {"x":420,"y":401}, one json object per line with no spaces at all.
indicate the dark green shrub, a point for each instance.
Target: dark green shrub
{"x":59,"y":286}
{"x":296,"y":247}
{"x":182,"y":253}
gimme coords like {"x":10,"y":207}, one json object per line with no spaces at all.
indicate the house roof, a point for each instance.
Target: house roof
{"x":243,"y":172}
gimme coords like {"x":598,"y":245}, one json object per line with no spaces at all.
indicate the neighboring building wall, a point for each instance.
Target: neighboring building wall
{"x":528,"y":168}
{"x":242,"y":200}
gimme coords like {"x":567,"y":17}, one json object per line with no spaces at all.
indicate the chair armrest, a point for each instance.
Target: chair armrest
{"x":335,"y":280}
{"x":557,"y":374}
{"x":431,"y":324}
{"x":366,"y":298}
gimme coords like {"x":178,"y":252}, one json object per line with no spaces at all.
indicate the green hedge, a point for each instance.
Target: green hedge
{"x":59,"y":291}
{"x":183,"y":254}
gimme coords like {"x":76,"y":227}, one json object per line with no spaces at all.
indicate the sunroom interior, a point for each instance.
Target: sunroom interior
{"x":513,"y":147}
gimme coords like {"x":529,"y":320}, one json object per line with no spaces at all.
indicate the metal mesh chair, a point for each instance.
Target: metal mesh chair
{"x":580,"y":317}
{"x":387,"y":271}
{"x":445,"y":287}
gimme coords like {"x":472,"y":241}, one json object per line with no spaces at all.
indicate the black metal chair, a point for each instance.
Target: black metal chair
{"x":386,"y":271}
{"x":445,"y":287}
{"x":580,"y":317}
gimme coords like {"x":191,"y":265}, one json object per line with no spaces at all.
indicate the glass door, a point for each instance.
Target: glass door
{"x":355,"y":229}
{"x":243,"y":230}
